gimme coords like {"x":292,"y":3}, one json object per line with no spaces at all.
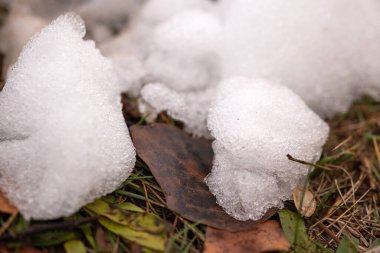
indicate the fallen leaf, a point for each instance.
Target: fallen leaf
{"x":52,"y":238}
{"x":127,"y":206}
{"x":146,"y":229}
{"x":103,"y":242}
{"x":156,"y":242}
{"x":87,"y":232}
{"x":135,"y":248}
{"x":29,"y":250}
{"x":375,"y":246}
{"x":146,"y":222}
{"x":374,"y":250}
{"x":267,"y":236}
{"x":348,"y":244}
{"x":5,"y":206}
{"x":22,"y":250}
{"x":180,"y":163}
{"x":304,"y":201}
{"x":74,"y":246}
{"x":295,"y":230}
{"x":3,"y":249}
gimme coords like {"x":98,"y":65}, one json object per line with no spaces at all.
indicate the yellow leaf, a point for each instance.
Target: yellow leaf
{"x":127,"y":206}
{"x":74,"y":246}
{"x":138,"y":220}
{"x":5,"y":206}
{"x":131,"y":223}
{"x":156,"y":242}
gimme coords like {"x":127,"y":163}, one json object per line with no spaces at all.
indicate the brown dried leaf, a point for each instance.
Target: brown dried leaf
{"x":29,"y":250}
{"x":5,"y":206}
{"x":374,"y":250}
{"x":304,"y":201}
{"x":103,"y":242}
{"x":267,"y":236}
{"x":22,"y":250}
{"x":180,"y":163}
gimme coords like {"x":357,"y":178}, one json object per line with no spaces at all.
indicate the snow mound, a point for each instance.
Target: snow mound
{"x":63,"y":139}
{"x":327,"y":51}
{"x":255,"y":124}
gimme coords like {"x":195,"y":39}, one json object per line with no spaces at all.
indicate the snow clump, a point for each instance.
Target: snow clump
{"x":63,"y":139}
{"x":255,"y":127}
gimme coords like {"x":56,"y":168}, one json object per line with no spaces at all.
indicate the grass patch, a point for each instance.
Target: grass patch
{"x":346,"y":182}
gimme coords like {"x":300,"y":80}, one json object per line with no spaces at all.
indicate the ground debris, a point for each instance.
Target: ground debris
{"x":267,"y":236}
{"x":346,"y":181}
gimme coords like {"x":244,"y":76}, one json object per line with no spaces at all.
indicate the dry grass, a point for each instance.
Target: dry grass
{"x":346,"y":182}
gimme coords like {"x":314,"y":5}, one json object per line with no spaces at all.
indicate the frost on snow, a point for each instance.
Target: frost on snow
{"x":63,"y":139}
{"x":255,"y":126}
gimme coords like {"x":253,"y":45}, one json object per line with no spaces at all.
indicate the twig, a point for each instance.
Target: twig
{"x":291,"y":158}
{"x":329,"y":232}
{"x":65,"y":225}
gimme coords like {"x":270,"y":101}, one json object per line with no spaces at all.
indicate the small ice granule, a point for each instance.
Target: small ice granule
{"x":326,"y":51}
{"x":63,"y":139}
{"x":255,"y":125}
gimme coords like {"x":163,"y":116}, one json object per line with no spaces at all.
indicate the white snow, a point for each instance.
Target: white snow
{"x":189,"y":107}
{"x":255,"y":126}
{"x":163,"y":47}
{"x":327,"y":51}
{"x":63,"y":139}
{"x":181,"y":54}
{"x":184,"y":63}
